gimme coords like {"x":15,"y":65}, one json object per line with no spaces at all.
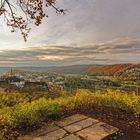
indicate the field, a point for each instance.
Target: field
{"x":20,"y":113}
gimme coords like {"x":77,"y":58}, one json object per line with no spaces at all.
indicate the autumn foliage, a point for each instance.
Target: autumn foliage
{"x":114,"y":70}
{"x":19,"y":14}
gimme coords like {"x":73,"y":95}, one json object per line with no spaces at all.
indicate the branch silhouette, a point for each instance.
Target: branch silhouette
{"x":30,"y":11}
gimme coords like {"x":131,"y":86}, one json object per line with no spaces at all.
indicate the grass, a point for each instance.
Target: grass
{"x":28,"y":115}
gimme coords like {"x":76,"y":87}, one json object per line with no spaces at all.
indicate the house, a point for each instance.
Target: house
{"x":13,"y":80}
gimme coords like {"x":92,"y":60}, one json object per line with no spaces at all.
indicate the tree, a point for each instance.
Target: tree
{"x":30,"y":11}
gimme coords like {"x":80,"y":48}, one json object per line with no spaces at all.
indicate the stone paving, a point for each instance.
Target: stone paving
{"x":75,"y":127}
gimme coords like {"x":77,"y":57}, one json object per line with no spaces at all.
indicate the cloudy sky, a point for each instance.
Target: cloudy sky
{"x":92,"y":32}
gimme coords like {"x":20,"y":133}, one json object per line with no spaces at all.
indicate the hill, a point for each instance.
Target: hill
{"x":72,"y":69}
{"x":126,"y":71}
{"x":117,"y":70}
{"x":108,"y":69}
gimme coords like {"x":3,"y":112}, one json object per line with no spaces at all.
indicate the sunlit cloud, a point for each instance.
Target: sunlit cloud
{"x":120,"y":50}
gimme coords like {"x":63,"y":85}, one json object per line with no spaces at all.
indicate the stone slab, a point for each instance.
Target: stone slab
{"x":25,"y":138}
{"x":97,"y":131}
{"x":36,"y":135}
{"x":75,"y":127}
{"x":45,"y":129}
{"x":71,"y":137}
{"x":55,"y":135}
{"x":80,"y":125}
{"x":70,"y":120}
{"x":39,"y":138}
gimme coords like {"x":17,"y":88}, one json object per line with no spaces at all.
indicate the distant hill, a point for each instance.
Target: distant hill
{"x":108,"y":69}
{"x":117,"y":70}
{"x":73,"y":69}
{"x":125,"y":71}
{"x":3,"y":70}
{"x":131,"y":72}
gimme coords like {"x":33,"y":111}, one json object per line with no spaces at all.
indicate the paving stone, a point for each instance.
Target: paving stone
{"x":46,"y":129}
{"x":55,"y":135}
{"x":80,"y":125}
{"x":97,"y":131}
{"x":25,"y":138}
{"x":71,"y":137}
{"x":39,"y":138}
{"x":71,"y":119}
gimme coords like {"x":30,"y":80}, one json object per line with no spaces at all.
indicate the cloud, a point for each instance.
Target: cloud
{"x":86,"y":22}
{"x":119,"y":50}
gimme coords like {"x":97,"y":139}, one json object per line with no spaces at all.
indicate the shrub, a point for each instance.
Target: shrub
{"x":11,"y":99}
{"x":29,"y":115}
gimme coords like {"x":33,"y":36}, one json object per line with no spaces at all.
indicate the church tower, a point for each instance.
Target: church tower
{"x":11,"y":72}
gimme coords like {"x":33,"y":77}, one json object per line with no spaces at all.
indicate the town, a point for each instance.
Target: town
{"x":25,"y":81}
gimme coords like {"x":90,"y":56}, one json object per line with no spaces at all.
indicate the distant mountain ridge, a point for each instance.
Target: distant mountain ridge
{"x":112,"y":70}
{"x":72,"y":69}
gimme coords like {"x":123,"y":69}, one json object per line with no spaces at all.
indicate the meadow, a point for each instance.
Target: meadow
{"x":21,"y":113}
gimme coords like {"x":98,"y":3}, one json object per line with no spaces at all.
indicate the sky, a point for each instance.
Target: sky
{"x":91,"y":32}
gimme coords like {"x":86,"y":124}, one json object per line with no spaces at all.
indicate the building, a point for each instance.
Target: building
{"x":13,"y":80}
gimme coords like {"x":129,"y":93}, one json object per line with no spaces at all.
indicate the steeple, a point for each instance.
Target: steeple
{"x":11,"y":72}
